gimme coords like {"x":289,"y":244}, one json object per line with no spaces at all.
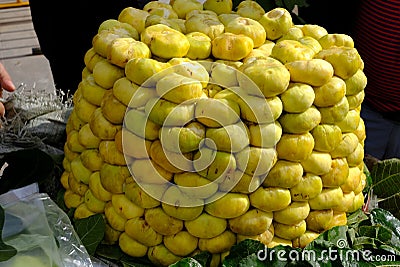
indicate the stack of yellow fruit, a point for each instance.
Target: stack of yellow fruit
{"x":195,"y":127}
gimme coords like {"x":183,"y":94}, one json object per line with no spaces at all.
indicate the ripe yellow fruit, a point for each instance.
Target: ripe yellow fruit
{"x":196,"y":126}
{"x":206,"y":226}
{"x":315,"y":72}
{"x":285,"y":174}
{"x":135,"y":17}
{"x":276,"y":22}
{"x":306,"y":238}
{"x":138,"y":229}
{"x":82,"y":212}
{"x":270,"y":198}
{"x":130,"y":246}
{"x":229,"y":46}
{"x":265,"y":135}
{"x":87,"y":138}
{"x":219,"y":7}
{"x":126,"y":208}
{"x":76,"y":186}
{"x":298,"y":123}
{"x":91,"y":91}
{"x":181,"y":244}
{"x":140,"y":196}
{"x":204,"y":23}
{"x":162,"y":222}
{"x":93,"y":203}
{"x":141,"y":70}
{"x":318,"y":163}
{"x":336,"y":39}
{"x":345,"y":60}
{"x":165,"y":42}
{"x":97,"y":188}
{"x":250,"y":9}
{"x":101,"y":127}
{"x":122,"y":49}
{"x":270,"y":76}
{"x":161,"y":256}
{"x":248,"y":27}
{"x":179,"y":205}
{"x":105,"y":74}
{"x":290,"y":232}
{"x":319,"y":220}
{"x":200,"y":45}
{"x":309,"y":187}
{"x":178,"y":88}
{"x":298,"y":97}
{"x":80,"y":172}
{"x":291,"y":50}
{"x":218,"y":244}
{"x":110,"y":153}
{"x":202,"y":187}
{"x":72,"y":200}
{"x":232,"y":138}
{"x":313,"y":30}
{"x":330,"y":93}
{"x":113,"y":177}
{"x":292,"y":214}
{"x":253,"y":222}
{"x":92,"y":159}
{"x":238,"y":205}
{"x":329,"y":198}
{"x":216,"y":112}
{"x":295,"y":147}
{"x":147,"y":171}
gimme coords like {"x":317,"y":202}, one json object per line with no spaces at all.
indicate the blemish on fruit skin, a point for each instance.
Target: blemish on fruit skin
{"x":277,"y":13}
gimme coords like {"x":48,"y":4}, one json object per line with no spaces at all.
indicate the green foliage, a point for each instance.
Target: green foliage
{"x":91,"y":231}
{"x":386,"y":184}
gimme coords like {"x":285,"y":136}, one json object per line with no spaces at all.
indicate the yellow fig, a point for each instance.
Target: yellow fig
{"x":270,"y":198}
{"x":276,"y":22}
{"x":240,"y":46}
{"x":130,"y":246}
{"x":165,"y":42}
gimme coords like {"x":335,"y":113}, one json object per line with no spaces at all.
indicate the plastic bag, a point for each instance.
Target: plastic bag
{"x":40,"y":231}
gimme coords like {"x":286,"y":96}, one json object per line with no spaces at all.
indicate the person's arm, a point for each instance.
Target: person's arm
{"x":7,"y":84}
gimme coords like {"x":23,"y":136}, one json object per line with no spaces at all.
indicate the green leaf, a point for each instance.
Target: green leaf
{"x":391,"y":204}
{"x":368,"y":179}
{"x":91,"y":231}
{"x":355,"y":218}
{"x":110,"y":252}
{"x":242,"y":250}
{"x":384,"y":217}
{"x":386,"y":178}
{"x":204,"y":258}
{"x":129,"y":261}
{"x":250,"y":260}
{"x":6,"y":251}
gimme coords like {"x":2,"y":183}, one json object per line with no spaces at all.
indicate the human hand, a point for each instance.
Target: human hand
{"x":6,"y":84}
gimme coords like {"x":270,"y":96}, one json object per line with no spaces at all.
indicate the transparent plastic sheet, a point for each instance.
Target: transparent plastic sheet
{"x":40,"y":231}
